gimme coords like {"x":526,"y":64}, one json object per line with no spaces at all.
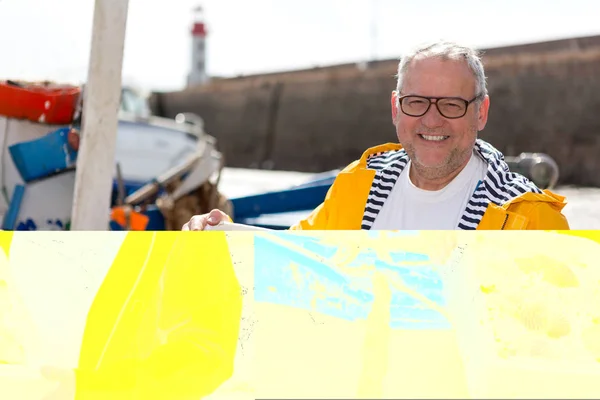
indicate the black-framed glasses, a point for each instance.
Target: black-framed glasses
{"x":448,"y":107}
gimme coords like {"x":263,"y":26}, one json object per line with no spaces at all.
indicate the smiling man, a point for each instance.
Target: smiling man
{"x":440,"y":175}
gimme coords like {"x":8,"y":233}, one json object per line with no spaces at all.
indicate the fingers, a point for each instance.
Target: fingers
{"x":196,"y":223}
{"x":215,"y":217}
{"x":199,"y":222}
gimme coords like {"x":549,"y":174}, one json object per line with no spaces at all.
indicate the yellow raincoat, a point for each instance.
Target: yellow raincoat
{"x":344,"y":205}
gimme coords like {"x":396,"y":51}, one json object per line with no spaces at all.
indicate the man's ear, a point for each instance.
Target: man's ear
{"x":394,"y":101}
{"x":484,"y":108}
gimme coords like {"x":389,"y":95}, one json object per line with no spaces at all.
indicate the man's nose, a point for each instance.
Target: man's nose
{"x":433,"y":118}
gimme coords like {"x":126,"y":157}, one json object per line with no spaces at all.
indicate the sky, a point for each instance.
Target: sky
{"x":50,"y":39}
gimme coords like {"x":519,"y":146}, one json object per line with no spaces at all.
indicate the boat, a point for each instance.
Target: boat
{"x":39,"y":156}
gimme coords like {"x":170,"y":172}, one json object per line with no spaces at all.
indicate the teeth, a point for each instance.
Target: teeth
{"x":437,"y":138}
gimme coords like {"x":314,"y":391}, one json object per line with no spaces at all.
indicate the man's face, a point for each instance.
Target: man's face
{"x":433,"y":77}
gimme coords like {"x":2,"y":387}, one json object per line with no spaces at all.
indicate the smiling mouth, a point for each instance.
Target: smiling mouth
{"x":433,"y":138}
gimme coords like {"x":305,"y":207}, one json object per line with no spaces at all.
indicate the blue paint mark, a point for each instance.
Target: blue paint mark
{"x":286,"y":277}
{"x":325,"y":251}
{"x":409,"y":257}
{"x":370,"y":257}
{"x":309,"y":243}
{"x":401,"y":300}
{"x":304,"y":261}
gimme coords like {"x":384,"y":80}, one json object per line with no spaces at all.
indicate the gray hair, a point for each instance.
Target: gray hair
{"x":446,"y":51}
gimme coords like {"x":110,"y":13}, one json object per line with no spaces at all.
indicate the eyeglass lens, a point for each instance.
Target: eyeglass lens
{"x":416,"y":106}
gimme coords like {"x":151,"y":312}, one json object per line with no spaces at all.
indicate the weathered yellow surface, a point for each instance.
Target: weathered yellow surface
{"x":15,"y":322}
{"x":524,"y":309}
{"x":536,"y":320}
{"x":17,"y":338}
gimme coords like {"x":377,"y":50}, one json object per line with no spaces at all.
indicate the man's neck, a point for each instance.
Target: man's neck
{"x":433,"y":183}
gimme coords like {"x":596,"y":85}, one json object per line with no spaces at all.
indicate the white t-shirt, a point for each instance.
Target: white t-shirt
{"x":410,"y":208}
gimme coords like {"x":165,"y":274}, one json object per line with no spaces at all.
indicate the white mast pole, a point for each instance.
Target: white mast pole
{"x":96,"y":157}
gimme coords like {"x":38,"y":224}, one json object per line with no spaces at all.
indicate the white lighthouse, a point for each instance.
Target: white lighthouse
{"x":198,"y":70}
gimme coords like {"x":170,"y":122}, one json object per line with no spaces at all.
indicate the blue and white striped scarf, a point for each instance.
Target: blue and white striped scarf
{"x":498,"y":187}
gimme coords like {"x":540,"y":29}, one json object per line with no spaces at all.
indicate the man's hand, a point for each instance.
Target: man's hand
{"x":199,"y":222}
